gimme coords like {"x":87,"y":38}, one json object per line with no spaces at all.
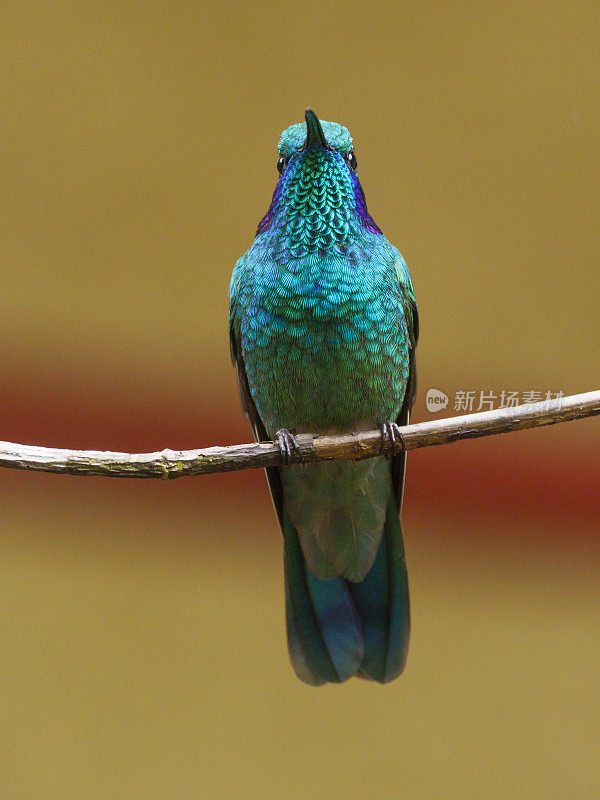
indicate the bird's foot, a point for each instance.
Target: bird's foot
{"x":288,"y":445}
{"x":391,"y":431}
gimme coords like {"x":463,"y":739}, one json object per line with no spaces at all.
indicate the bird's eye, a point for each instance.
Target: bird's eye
{"x":281,"y":163}
{"x":351,"y":159}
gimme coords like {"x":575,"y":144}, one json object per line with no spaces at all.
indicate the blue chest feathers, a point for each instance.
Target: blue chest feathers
{"x":324,"y":340}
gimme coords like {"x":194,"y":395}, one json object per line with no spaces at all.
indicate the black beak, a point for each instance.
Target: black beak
{"x":314,"y":131}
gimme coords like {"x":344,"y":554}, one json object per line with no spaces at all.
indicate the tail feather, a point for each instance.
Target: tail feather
{"x":324,"y":636}
{"x":382,"y":604}
{"x":337,"y":628}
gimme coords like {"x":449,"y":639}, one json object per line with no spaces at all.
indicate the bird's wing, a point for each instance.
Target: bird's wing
{"x":412,"y":323}
{"x":251,"y":413}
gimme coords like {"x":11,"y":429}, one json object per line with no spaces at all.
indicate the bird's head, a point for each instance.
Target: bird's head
{"x":318,"y":198}
{"x":317,"y":144}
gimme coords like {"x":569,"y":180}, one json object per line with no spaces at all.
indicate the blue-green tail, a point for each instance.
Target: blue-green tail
{"x":337,"y":628}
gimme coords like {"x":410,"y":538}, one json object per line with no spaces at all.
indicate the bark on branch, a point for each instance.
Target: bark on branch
{"x":167,"y":464}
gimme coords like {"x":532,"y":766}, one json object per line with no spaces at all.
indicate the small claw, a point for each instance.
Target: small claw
{"x":392,"y":430}
{"x":288,"y":446}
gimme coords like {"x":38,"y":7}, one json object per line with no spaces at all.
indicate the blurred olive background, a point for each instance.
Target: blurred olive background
{"x":143,"y":636}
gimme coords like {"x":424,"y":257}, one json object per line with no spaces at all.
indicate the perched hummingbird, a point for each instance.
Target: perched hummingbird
{"x":323,"y":331}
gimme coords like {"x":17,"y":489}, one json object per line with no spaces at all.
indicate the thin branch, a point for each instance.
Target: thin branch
{"x":168,"y":464}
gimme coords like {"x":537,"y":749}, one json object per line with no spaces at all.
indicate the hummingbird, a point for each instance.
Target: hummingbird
{"x":323,"y":331}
